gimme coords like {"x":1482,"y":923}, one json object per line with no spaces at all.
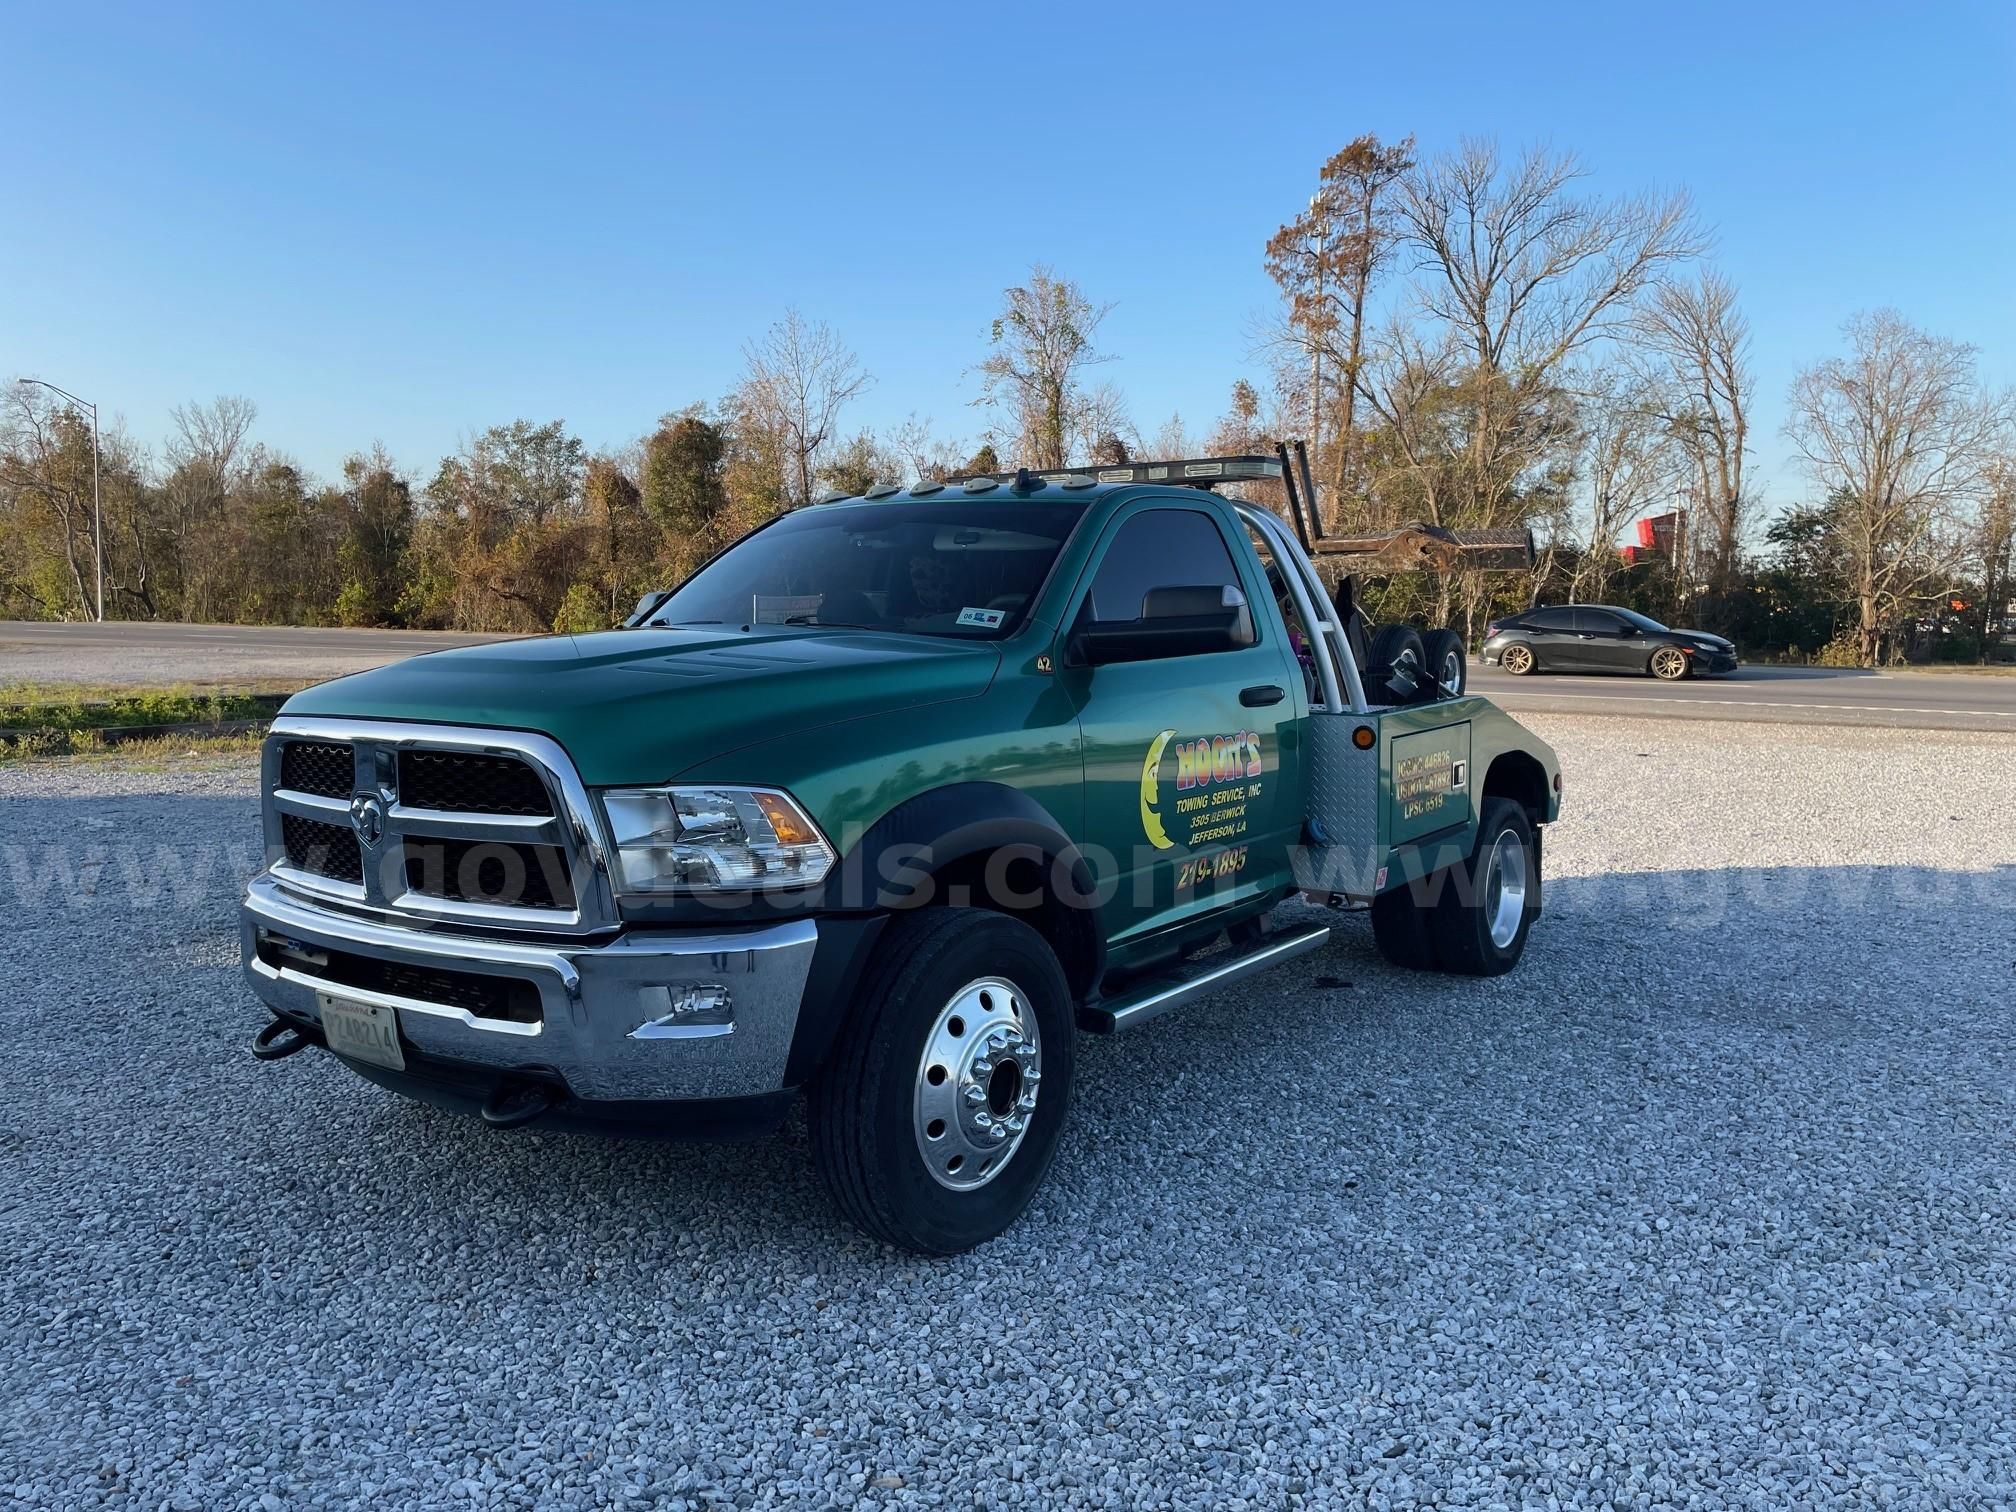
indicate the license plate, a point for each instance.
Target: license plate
{"x":362,"y":1031}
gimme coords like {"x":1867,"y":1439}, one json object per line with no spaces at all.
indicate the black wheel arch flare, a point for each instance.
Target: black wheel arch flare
{"x":899,"y":862}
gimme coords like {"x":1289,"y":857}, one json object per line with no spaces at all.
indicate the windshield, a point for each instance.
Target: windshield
{"x":1644,"y":622}
{"x":925,"y":567}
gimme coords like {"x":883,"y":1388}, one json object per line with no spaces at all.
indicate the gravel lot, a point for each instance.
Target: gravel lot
{"x":1712,"y":1203}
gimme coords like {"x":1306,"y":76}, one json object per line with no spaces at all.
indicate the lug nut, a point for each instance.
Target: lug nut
{"x":997,"y":1132}
{"x":976,"y":1094}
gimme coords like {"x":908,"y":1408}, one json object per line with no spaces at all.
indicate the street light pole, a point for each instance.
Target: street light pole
{"x":97,"y":501}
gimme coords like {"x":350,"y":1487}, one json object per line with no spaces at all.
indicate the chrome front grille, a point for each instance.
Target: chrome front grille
{"x":468,"y":782}
{"x":435,"y":824}
{"x":327,"y":850}
{"x":317,"y":766}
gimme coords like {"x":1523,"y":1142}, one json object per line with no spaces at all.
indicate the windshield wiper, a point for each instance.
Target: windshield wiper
{"x":819,"y":624}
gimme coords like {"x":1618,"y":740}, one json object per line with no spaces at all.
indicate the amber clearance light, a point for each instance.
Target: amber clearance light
{"x":1363,"y":737}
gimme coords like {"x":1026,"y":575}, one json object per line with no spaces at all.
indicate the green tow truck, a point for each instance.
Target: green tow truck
{"x":883,"y":806}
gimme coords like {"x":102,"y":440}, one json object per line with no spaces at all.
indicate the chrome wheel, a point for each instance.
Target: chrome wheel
{"x":977,"y":1083}
{"x":1517,"y":660}
{"x":1452,"y":673}
{"x":1669,"y":664}
{"x":1505,"y":887}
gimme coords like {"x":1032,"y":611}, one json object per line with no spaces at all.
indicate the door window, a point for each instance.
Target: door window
{"x":1160,"y":548}
{"x":1598,"y":622}
{"x":1550,"y":619}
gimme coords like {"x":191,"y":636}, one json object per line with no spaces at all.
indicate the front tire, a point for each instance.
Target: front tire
{"x":1668,"y":664}
{"x":962,"y":1027}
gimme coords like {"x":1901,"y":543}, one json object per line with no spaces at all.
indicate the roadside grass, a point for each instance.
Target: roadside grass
{"x":152,"y":753}
{"x":73,"y":707}
{"x":1957,"y":669}
{"x":86,"y":721}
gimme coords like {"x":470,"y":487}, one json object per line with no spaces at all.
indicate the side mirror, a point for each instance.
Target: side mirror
{"x":644,"y":606}
{"x":1173,"y":622}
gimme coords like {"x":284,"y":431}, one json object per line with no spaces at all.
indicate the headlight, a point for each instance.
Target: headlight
{"x":712,"y":839}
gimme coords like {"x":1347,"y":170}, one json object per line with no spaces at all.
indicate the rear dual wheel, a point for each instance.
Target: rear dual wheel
{"x":1470,"y":918}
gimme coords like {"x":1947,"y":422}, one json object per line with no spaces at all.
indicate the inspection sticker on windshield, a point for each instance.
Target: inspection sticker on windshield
{"x":983,"y":619}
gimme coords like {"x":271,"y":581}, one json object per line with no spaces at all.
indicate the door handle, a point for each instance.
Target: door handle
{"x":1260,"y":697}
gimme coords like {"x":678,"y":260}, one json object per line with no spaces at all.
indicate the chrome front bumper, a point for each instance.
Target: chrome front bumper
{"x":594,"y":999}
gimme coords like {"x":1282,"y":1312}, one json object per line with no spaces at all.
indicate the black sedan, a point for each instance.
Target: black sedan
{"x":1603,"y":638}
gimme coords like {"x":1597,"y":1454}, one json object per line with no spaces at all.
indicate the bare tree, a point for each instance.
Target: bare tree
{"x":1101,"y":424}
{"x":1901,"y":436}
{"x":1043,"y":342}
{"x":1525,"y":270}
{"x":1995,"y":552}
{"x":1628,"y":468}
{"x":799,"y":378}
{"x":1697,"y":335}
{"x":45,"y":466}
{"x":1516,"y":274}
{"x":205,"y":458}
{"x":928,"y":459}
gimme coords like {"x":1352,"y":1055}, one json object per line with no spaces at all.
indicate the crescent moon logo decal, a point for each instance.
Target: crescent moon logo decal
{"x":1151,"y":790}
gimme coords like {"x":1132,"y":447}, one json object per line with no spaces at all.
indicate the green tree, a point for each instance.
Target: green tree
{"x":1042,"y":343}
{"x":859,"y":465}
{"x":684,"y":486}
{"x":379,"y":503}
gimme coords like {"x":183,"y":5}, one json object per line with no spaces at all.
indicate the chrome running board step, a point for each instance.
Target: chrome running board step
{"x":1153,"y":999}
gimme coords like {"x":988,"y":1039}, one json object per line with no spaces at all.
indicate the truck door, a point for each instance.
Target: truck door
{"x":1192,"y":761}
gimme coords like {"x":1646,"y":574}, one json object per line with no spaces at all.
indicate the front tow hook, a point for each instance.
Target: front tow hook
{"x":519,"y":1103}
{"x":278,"y":1039}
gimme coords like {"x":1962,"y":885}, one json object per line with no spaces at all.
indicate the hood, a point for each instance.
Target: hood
{"x":644,"y":705}
{"x":1702,"y":637}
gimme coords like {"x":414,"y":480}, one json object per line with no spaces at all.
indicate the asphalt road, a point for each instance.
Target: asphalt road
{"x":156,"y":653}
{"x":1774,"y":695}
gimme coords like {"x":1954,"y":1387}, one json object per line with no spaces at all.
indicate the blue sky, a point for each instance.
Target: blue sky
{"x":408,"y":223}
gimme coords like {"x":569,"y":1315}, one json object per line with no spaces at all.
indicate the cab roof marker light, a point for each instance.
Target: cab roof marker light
{"x":925,"y":490}
{"x":883,"y":490}
{"x":980,"y":485}
{"x":832,"y":496}
{"x":1194,"y":472}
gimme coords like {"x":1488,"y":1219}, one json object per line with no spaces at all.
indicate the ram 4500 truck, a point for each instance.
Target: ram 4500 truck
{"x":883,"y":806}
